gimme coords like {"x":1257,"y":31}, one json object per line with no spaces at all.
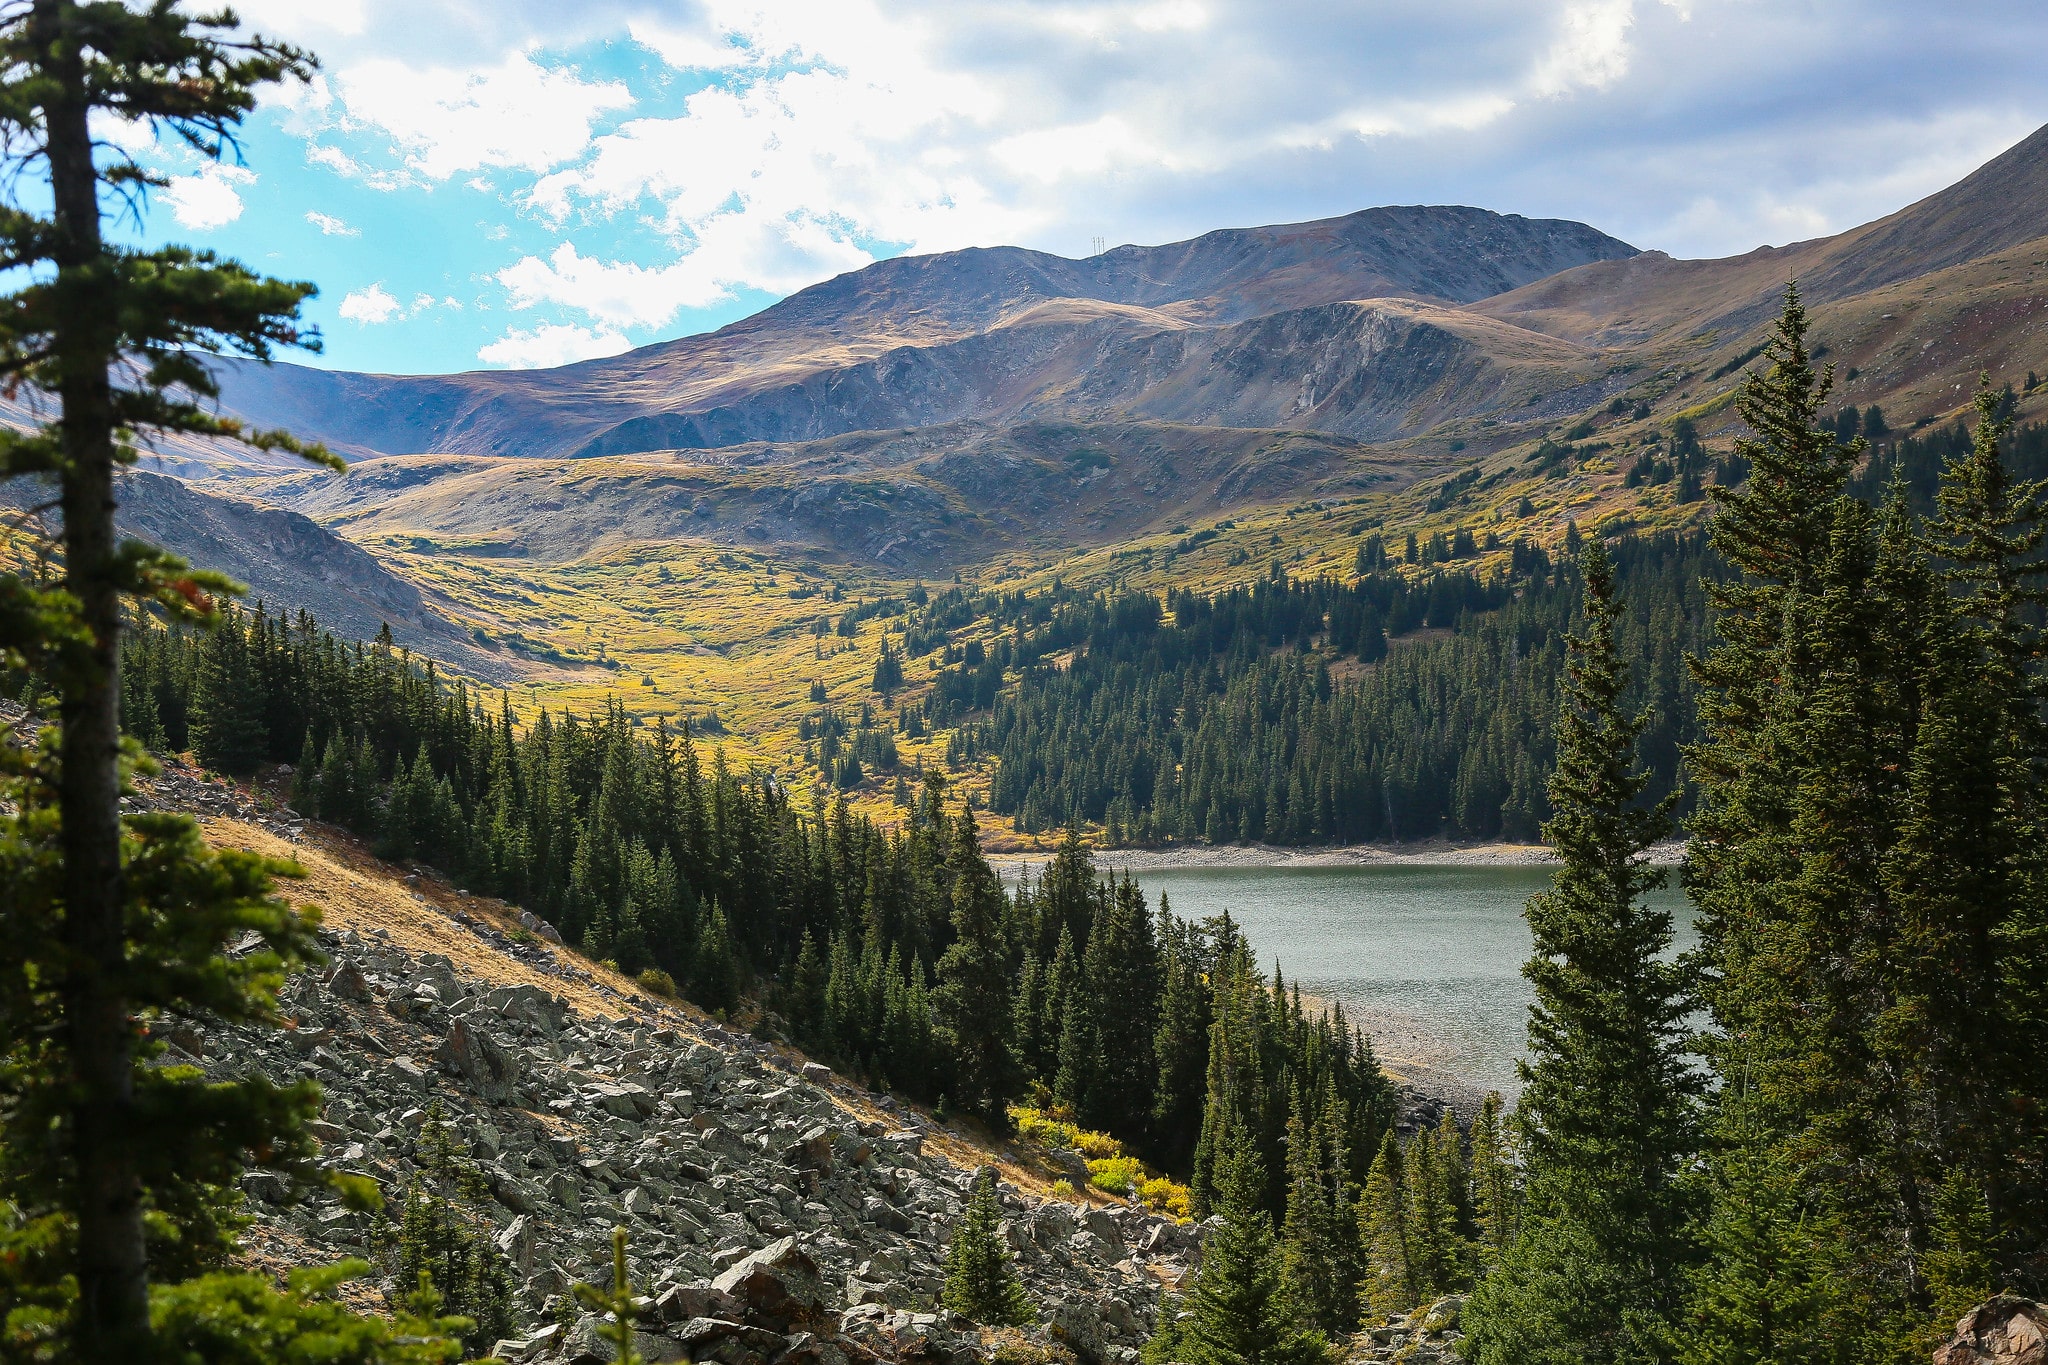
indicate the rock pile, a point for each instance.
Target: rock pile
{"x":1427,"y":1336}
{"x":2007,"y":1330}
{"x":761,"y":1202}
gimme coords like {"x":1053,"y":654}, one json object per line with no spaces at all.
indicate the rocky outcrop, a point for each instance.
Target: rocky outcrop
{"x":775,"y":1213}
{"x":1428,"y":1336}
{"x":2007,"y":1330}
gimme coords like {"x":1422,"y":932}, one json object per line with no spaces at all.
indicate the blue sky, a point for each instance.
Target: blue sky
{"x":524,"y":183}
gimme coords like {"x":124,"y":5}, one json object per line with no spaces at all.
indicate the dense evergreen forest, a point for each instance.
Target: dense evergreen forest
{"x":1297,"y":711}
{"x":895,"y":953}
{"x":1281,"y":712}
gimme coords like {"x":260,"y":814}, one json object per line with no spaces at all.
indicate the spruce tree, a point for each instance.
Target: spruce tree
{"x":1970,"y":871}
{"x":717,"y":975}
{"x":981,"y":1284}
{"x":1241,"y":1314}
{"x":227,"y":706}
{"x":1317,"y":1268}
{"x":973,"y":998}
{"x":107,"y":920}
{"x":1496,"y":1192}
{"x":1390,"y":1286}
{"x":1607,"y":1099}
{"x":1121,"y":967}
{"x":444,"y":1233}
{"x":1180,"y":1047}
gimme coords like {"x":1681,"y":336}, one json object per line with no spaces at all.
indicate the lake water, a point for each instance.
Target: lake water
{"x":1427,"y":959}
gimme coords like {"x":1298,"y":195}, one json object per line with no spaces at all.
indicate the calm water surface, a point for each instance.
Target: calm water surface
{"x":1428,"y":959}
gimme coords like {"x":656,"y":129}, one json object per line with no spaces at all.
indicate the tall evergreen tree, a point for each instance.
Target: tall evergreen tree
{"x":1314,"y":1258}
{"x":1241,"y":1315}
{"x":1391,"y":1285}
{"x":1607,"y":1100}
{"x":1496,"y":1182}
{"x":973,"y":998}
{"x":109,"y":921}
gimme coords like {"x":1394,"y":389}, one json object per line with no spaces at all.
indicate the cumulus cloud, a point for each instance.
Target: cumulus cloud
{"x":209,"y":199}
{"x":370,"y":306}
{"x":443,"y":121}
{"x":552,"y":344}
{"x":329,"y":225}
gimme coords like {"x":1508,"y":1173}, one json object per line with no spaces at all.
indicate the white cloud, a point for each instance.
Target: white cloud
{"x":370,"y":306}
{"x":343,"y":17}
{"x":329,"y":225}
{"x":1591,"y":52}
{"x":377,"y":304}
{"x":209,"y":199}
{"x":444,"y":120}
{"x":552,"y":344}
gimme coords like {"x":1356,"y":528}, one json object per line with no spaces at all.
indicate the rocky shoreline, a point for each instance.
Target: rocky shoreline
{"x":1424,"y":853}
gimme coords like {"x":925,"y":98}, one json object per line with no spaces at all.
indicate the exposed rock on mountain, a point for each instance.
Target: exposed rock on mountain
{"x":2001,"y":206}
{"x":920,"y":340}
{"x":908,"y":499}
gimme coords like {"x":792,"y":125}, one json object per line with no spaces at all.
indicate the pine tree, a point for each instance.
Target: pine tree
{"x":1390,"y":1285}
{"x":973,"y":998}
{"x":1121,"y":967}
{"x":1313,"y":1251}
{"x":1496,"y":1193}
{"x":717,"y":977}
{"x":1764,"y":1289}
{"x":1241,"y":1315}
{"x":1970,"y":872}
{"x":106,"y":920}
{"x":1180,"y":1047}
{"x":227,"y":707}
{"x":444,"y":1234}
{"x":981,"y":1284}
{"x":1606,"y":1105}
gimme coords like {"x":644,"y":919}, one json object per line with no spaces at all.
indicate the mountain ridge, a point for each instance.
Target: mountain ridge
{"x":1444,"y":254}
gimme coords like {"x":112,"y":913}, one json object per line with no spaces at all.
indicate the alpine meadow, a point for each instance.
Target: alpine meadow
{"x":667,"y":847}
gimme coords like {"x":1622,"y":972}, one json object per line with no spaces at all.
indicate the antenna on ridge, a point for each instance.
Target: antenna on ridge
{"x":1097,"y":245}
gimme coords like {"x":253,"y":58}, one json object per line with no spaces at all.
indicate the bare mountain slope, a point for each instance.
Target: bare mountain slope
{"x":921,"y":498}
{"x":735,"y":384}
{"x":288,"y":560}
{"x":1651,"y":297}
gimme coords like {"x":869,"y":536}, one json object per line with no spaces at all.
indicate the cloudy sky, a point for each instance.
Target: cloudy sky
{"x":480,"y":183}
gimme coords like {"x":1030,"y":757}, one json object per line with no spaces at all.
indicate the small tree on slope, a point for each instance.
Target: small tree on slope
{"x":980,"y":1282}
{"x":1241,"y":1316}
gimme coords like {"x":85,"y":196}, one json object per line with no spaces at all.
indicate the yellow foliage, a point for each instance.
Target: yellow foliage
{"x":1166,"y":1196}
{"x":1117,"y":1175}
{"x":1097,"y":1146}
{"x":1109,"y":1168}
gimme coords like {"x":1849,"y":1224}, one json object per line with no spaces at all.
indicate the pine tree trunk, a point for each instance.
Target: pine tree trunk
{"x":113,"y":1306}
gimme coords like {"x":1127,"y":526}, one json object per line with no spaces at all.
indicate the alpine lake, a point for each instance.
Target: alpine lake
{"x":1427,"y":958}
